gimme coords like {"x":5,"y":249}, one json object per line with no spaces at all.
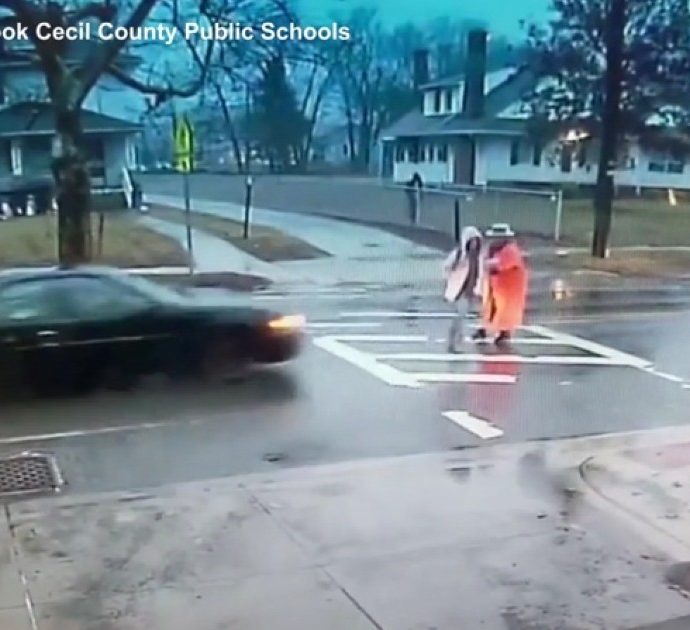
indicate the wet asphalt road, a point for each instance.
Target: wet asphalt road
{"x":334,"y":406}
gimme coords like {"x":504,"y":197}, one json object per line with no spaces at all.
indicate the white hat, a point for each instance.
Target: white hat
{"x":500,"y":229}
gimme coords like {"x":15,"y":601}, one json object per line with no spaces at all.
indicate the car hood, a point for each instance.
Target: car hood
{"x":226,"y":306}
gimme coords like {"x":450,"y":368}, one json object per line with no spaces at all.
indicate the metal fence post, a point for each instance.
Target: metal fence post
{"x":247,"y":205}
{"x":456,"y":220}
{"x":188,"y":221}
{"x":559,"y":215}
{"x":417,"y":204}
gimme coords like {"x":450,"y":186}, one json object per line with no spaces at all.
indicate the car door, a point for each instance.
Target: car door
{"x":113,"y":325}
{"x":32,"y":330}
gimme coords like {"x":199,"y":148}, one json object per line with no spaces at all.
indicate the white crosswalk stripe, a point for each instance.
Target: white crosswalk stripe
{"x":400,"y":367}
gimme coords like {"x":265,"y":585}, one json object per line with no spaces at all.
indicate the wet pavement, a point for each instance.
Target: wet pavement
{"x":487,"y":539}
{"x":346,"y":484}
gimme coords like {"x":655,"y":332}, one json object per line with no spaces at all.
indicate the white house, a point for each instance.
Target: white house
{"x":473,"y":129}
{"x":27,"y":128}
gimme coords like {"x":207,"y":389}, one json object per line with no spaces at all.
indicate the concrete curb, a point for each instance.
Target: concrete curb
{"x":612,"y":483}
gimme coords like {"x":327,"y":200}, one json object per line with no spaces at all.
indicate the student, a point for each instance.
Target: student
{"x":462,"y":270}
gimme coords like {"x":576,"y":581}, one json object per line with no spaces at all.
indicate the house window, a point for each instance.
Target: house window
{"x":422,"y":153}
{"x":514,"y":152}
{"x":437,"y":101}
{"x":566,"y":158}
{"x":413,"y":153}
{"x":536,"y":154}
{"x":449,"y":100}
{"x":520,"y":152}
{"x":442,"y":154}
{"x":16,"y":157}
{"x":671,"y":162}
{"x":399,"y":153}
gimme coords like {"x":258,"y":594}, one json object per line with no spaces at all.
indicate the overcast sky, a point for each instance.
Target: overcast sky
{"x":501,"y":15}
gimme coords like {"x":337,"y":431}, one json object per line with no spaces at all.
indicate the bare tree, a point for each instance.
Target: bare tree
{"x":234,"y":71}
{"x":69,"y":82}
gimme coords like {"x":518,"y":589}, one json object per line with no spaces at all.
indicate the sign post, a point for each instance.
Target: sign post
{"x":184,"y":162}
{"x":247,"y":205}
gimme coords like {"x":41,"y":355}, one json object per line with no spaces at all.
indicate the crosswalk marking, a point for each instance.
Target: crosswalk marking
{"x":367,"y":362}
{"x":383,"y":364}
{"x":501,"y":358}
{"x":399,"y":315}
{"x":592,"y":347}
{"x":342,"y":325}
{"x":487,"y":379}
{"x":383,"y":338}
{"x":477,"y":426}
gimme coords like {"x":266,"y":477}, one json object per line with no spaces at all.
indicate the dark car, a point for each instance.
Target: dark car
{"x":75,"y":328}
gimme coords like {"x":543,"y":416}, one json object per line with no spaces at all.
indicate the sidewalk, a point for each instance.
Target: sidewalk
{"x":649,"y":485}
{"x":491,"y":539}
{"x":212,"y":254}
{"x":358,"y":253}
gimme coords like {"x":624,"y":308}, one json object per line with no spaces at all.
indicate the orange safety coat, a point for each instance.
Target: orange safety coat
{"x":505,"y":291}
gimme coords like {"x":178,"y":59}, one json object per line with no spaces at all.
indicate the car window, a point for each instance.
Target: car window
{"x":29,"y":301}
{"x":97,"y":298}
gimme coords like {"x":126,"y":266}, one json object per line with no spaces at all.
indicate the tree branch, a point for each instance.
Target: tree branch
{"x":108,"y":51}
{"x":162,"y":93}
{"x":30,"y":15}
{"x":105,"y":12}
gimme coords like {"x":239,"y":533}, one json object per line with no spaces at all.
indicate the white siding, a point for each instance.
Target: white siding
{"x":493,"y":165}
{"x":430,"y":172}
{"x":642,"y":177}
{"x":115,"y":158}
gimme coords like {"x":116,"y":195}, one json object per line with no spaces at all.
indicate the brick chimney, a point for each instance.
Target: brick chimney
{"x":475,"y":74}
{"x":420,"y":67}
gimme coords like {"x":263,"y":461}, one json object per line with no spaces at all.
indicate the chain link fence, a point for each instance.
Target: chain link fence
{"x":535,"y":213}
{"x":530,"y":213}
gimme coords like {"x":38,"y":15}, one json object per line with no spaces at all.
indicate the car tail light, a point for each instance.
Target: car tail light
{"x":287,"y":323}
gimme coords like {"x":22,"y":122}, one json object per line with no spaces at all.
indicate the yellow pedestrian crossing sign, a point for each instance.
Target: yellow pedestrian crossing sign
{"x":184,"y":145}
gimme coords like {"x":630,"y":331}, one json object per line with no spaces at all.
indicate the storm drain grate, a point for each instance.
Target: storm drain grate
{"x":29,"y":473}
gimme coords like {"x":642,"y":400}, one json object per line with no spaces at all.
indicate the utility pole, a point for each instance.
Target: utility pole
{"x":610,"y":126}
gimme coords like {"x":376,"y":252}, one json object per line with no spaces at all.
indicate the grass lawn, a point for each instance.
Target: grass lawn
{"x":32,"y":241}
{"x":264,"y":242}
{"x":635,"y":222}
{"x":641,"y":264}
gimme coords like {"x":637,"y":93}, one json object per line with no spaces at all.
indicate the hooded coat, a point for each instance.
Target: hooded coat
{"x":457,"y":266}
{"x":505,"y":290}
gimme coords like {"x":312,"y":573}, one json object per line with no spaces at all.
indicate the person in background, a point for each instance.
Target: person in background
{"x":504,"y":291}
{"x":462,"y":270}
{"x":413,"y":189}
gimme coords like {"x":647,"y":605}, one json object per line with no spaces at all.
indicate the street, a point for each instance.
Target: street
{"x":377,"y":481}
{"x":374,"y":381}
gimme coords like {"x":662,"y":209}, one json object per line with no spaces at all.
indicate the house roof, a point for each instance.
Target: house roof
{"x":503,"y":87}
{"x":417,"y":124}
{"x":36,"y":119}
{"x":491,"y":80}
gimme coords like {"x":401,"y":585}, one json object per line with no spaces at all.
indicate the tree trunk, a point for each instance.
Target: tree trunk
{"x":73,"y":191}
{"x":603,"y":199}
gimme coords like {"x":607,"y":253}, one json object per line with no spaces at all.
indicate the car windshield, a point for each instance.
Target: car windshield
{"x":154,"y":290}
